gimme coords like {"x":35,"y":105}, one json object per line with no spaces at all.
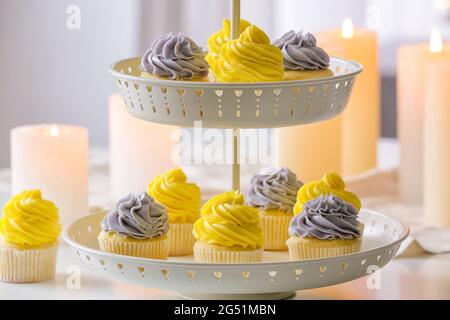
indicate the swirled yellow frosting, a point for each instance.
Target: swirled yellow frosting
{"x":181,"y":199}
{"x":227,"y":222}
{"x":218,"y":39}
{"x":30,"y":221}
{"x":331,"y":183}
{"x":251,"y":58}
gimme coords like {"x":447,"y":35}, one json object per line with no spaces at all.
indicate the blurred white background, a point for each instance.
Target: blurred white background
{"x":55,"y":75}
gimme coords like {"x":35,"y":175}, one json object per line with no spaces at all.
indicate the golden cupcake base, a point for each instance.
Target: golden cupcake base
{"x":112,"y":242}
{"x":195,"y":79}
{"x":301,"y":248}
{"x":181,"y":239}
{"x":208,"y":253}
{"x":275,"y":230}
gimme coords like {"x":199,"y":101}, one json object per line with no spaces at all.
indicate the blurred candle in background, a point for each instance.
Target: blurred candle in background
{"x":437,"y":145}
{"x":311,"y":150}
{"x":361,"y":119}
{"x":411,"y":84}
{"x":139,"y":150}
{"x":53,"y":158}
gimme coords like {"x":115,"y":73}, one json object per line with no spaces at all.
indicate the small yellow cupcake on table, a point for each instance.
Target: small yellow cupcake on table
{"x":228,"y":231}
{"x":273,"y":193}
{"x":29,"y":231}
{"x":251,"y":58}
{"x":331,"y":183}
{"x":218,"y":39}
{"x":303,"y":60}
{"x":326,"y":227}
{"x":182,"y":200}
{"x":138,"y":227}
{"x":175,"y":57}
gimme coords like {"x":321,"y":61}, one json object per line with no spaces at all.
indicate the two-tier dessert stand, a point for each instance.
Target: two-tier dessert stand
{"x":235,"y":106}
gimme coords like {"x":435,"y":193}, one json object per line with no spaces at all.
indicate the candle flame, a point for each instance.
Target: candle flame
{"x":436,"y":44}
{"x":442,"y":4}
{"x":347,"y":29}
{"x":54,"y":130}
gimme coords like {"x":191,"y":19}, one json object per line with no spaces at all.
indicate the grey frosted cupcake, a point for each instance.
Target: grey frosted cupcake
{"x":327,"y":227}
{"x":137,"y":226}
{"x":274,"y":194}
{"x":302,"y":58}
{"x":175,"y":57}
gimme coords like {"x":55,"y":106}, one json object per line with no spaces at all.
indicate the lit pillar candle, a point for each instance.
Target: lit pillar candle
{"x":311,"y":150}
{"x":139,"y":150}
{"x":411,"y":83}
{"x":53,"y":158}
{"x":437,"y":145}
{"x":361,"y":118}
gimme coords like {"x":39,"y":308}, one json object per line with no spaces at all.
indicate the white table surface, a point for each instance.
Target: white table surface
{"x":420,"y":276}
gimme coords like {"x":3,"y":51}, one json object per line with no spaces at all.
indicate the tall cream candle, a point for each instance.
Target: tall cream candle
{"x":139,"y":150}
{"x":53,"y":158}
{"x":437,"y":145}
{"x":361,"y":119}
{"x":411,"y":83}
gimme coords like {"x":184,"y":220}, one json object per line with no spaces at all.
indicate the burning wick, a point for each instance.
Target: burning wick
{"x":54,"y":130}
{"x":347,"y":29}
{"x":436,"y":44}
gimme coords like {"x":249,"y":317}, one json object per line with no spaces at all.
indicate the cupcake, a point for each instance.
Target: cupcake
{"x":137,"y":227}
{"x":274,"y":193}
{"x":327,"y":227}
{"x":302,"y":58}
{"x":218,"y":39}
{"x":228,"y":231}
{"x":29,"y":231}
{"x":182,"y":200}
{"x":251,"y":58}
{"x":330,"y":183}
{"x":175,"y":57}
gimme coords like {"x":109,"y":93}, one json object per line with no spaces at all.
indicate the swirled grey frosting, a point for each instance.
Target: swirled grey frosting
{"x":138,"y":216}
{"x":274,"y":189}
{"x":300,"y":52}
{"x":326,"y":217}
{"x":175,"y":56}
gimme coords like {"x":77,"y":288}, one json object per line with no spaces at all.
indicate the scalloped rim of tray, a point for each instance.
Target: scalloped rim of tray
{"x":196,"y":84}
{"x":361,"y":254}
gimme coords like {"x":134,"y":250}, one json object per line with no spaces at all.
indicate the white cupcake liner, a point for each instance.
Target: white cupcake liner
{"x":149,"y":248}
{"x":212,"y":254}
{"x":181,"y":239}
{"x":28,"y":265}
{"x":300,"y":251}
{"x":275,"y":230}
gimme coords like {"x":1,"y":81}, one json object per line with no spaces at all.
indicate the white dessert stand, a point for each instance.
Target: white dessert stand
{"x":235,"y":106}
{"x":274,"y":278}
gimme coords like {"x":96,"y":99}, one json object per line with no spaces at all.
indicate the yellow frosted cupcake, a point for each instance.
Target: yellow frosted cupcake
{"x":228,"y":231}
{"x":326,"y":227}
{"x":218,"y":39}
{"x":302,"y":58}
{"x":273,"y":193}
{"x":330,"y":183}
{"x":251,"y":58}
{"x":138,"y":227}
{"x":29,"y":231}
{"x":175,"y":57}
{"x":182,"y":200}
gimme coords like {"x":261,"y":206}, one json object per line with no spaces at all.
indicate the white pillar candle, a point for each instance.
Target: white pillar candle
{"x":412,"y":63}
{"x":53,"y":158}
{"x":437,"y":145}
{"x":139,"y":150}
